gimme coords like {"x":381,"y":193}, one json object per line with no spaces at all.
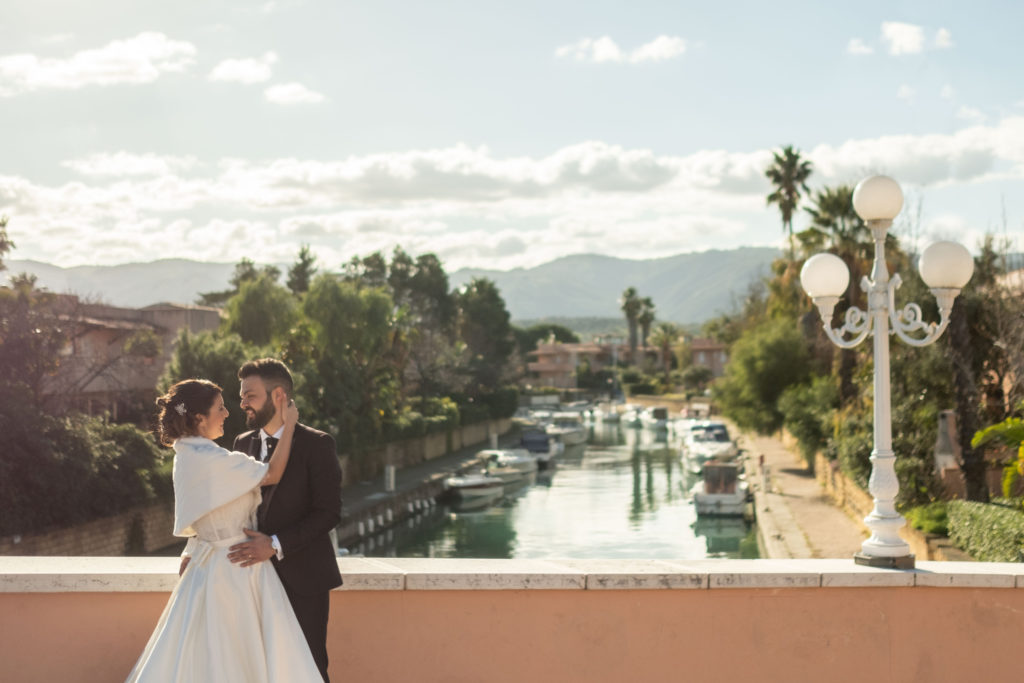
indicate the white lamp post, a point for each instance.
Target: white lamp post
{"x":945,"y":267}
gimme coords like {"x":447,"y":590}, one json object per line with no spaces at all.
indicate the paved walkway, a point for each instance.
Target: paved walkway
{"x":795,"y":517}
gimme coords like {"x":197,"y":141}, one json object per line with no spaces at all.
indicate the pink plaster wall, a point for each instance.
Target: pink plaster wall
{"x":764,"y":635}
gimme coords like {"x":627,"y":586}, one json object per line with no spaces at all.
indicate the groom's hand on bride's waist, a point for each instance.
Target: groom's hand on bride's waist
{"x":257,"y":549}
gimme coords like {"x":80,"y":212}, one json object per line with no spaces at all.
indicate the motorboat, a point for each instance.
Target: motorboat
{"x":655,"y":418}
{"x":607,"y":414}
{"x":474,"y":487}
{"x":722,"y":491}
{"x":542,"y":446}
{"x":567,"y":427}
{"x":632,"y":416}
{"x":510,"y":465}
{"x":706,"y":441}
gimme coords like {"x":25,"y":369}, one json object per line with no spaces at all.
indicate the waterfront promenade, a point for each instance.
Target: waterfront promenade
{"x":795,"y":517}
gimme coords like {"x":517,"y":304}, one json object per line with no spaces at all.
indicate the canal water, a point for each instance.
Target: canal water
{"x":623,"y":495}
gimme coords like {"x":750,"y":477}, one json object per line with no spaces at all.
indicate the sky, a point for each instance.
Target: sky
{"x":493,"y":134}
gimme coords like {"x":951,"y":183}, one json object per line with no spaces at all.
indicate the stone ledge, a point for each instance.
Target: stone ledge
{"x":159,"y":574}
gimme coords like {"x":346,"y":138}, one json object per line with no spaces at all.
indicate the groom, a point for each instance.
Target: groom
{"x":297,"y":515}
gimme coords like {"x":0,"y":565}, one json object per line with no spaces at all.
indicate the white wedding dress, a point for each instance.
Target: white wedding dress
{"x":224,"y":623}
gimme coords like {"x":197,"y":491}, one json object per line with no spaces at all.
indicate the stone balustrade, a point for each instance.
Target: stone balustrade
{"x":87,"y":618}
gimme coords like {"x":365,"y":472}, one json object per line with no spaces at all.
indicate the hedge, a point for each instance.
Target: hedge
{"x":987,"y":532}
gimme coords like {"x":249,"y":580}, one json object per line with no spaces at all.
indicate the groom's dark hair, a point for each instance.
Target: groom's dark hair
{"x":273,"y":372}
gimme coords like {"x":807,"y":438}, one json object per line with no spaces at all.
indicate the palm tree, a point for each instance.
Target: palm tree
{"x":834,"y":223}
{"x":788,"y":173}
{"x":631,"y":305}
{"x":665,"y":335}
{"x":645,"y":318}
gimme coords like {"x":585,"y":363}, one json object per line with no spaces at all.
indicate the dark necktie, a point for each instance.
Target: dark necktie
{"x":271,"y":442}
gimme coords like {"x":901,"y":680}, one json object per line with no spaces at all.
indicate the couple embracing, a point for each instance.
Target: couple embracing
{"x":252,"y":603}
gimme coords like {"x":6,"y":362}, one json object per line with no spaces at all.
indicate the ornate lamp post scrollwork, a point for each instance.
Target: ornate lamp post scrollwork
{"x":945,"y":267}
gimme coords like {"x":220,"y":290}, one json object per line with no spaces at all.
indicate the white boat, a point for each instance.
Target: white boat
{"x":655,"y":418}
{"x":542,"y":446}
{"x":632,"y":416}
{"x":474,"y":487}
{"x":706,"y":441}
{"x":567,"y":427}
{"x":509,"y":466}
{"x":721,"y":492}
{"x":607,"y":414}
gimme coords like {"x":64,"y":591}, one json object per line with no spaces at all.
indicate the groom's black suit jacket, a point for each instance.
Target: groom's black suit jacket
{"x":302,"y":509}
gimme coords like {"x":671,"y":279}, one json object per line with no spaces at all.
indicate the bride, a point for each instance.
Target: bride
{"x":223,"y":622}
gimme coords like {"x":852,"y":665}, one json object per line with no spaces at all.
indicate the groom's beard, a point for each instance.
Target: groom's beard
{"x":259,"y":418}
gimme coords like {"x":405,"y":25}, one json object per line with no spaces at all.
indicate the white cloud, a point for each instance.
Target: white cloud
{"x":906,"y":92}
{"x":142,"y":59}
{"x":947,"y":92}
{"x":856,"y":46}
{"x":604,"y":49}
{"x":464,"y":203}
{"x":901,"y":38}
{"x":124,"y":164}
{"x":292,"y":93}
{"x":970,"y":114}
{"x":943,"y":38}
{"x":245,"y":70}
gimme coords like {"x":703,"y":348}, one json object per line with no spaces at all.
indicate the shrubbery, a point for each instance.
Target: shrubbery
{"x":932,"y":518}
{"x":58,"y":472}
{"x":987,"y":532}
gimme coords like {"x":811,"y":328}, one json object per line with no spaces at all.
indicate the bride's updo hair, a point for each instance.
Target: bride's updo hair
{"x":181,"y":407}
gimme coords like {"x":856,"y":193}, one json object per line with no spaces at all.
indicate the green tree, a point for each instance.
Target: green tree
{"x":835,"y":225}
{"x":35,"y":326}
{"x":763,"y":363}
{"x":217,"y":358}
{"x":485,"y":328}
{"x":527,"y":338}
{"x":788,"y":173}
{"x":245,"y":271}
{"x":261,"y":312}
{"x":301,"y":273}
{"x":645,"y":319}
{"x":665,"y":336}
{"x":350,"y":354}
{"x":631,"y":304}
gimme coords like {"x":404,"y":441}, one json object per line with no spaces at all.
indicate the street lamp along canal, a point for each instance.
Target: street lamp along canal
{"x":945,"y":267}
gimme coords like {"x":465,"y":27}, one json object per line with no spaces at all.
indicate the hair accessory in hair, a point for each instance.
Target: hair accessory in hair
{"x":180,"y":407}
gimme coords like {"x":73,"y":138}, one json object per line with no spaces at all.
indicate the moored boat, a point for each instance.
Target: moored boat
{"x":509,"y":465}
{"x":722,"y":491}
{"x":474,"y":487}
{"x":567,"y":427}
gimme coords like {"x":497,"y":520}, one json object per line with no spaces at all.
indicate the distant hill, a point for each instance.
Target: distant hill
{"x":688,"y":288}
{"x":132,"y":285}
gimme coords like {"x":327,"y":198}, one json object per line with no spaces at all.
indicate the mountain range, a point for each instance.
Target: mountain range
{"x":685,"y":288}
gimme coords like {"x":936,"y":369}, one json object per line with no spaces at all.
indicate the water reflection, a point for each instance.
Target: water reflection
{"x":624,"y":495}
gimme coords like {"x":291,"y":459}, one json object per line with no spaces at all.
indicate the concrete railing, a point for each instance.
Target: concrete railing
{"x":87,"y":619}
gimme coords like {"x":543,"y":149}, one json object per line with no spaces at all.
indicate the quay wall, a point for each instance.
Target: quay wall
{"x":596,"y":621}
{"x":142,"y":529}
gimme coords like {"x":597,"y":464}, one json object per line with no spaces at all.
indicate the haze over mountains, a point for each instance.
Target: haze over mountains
{"x":685,"y":288}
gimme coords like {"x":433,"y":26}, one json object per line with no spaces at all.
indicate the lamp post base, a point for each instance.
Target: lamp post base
{"x":904,"y":562}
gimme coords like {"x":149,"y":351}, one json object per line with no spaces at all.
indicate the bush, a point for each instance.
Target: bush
{"x":58,"y":472}
{"x":987,"y":532}
{"x":807,"y":412}
{"x":932,"y":518}
{"x":642,"y":388}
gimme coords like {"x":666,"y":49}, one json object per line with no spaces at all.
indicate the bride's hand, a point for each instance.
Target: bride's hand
{"x":289,"y":411}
